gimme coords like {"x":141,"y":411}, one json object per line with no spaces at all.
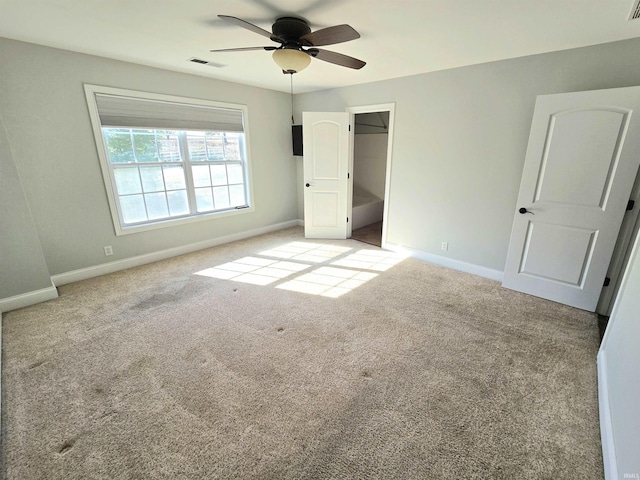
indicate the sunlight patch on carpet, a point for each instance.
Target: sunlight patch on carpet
{"x":306,"y":252}
{"x":343,"y":271}
{"x":328,"y":281}
{"x":379,"y":261}
{"x":257,"y":271}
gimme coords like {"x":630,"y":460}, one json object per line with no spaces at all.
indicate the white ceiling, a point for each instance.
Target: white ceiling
{"x":398,"y":37}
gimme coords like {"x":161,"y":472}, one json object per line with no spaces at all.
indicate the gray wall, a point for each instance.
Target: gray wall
{"x":370,"y":161}
{"x":460,"y":141}
{"x":459,"y":145}
{"x":22,"y":264}
{"x":47,"y":123}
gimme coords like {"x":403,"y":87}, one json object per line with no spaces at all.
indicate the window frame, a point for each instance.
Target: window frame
{"x":107,"y":170}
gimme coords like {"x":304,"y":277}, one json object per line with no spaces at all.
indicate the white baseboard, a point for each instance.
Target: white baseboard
{"x":479,"y":270}
{"x":300,"y":223}
{"x":27,"y":299}
{"x":105,"y":268}
{"x":606,"y":427}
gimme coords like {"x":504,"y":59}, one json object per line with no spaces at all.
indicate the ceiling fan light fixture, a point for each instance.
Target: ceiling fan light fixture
{"x":290,"y":60}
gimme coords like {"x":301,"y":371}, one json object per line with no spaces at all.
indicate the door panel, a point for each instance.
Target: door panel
{"x":326,"y":153}
{"x":574,"y":245}
{"x":325,"y":164}
{"x":581,"y":162}
{"x":589,"y":138}
{"x":326,"y":208}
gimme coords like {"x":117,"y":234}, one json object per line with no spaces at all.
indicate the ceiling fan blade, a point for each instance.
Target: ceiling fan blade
{"x":330,"y":36}
{"x":243,"y":49}
{"x":252,"y":27}
{"x":337,"y":58}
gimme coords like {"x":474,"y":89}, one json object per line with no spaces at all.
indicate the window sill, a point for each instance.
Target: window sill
{"x":173,"y":222}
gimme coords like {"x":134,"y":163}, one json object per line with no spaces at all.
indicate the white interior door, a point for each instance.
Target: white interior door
{"x":325,"y":137}
{"x":581,"y":162}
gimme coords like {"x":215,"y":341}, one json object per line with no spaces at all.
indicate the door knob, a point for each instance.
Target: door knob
{"x":523,"y":210}
{"x":307,"y":184}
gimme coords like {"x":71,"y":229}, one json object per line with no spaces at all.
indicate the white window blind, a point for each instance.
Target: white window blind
{"x":122,"y":111}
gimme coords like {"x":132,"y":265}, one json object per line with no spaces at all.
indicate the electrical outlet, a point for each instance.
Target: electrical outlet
{"x":445,"y":246}
{"x":108,"y":251}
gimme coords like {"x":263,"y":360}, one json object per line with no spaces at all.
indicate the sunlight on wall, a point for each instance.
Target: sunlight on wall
{"x":340,"y":276}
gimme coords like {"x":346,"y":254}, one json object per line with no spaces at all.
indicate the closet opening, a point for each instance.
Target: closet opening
{"x":370,"y":156}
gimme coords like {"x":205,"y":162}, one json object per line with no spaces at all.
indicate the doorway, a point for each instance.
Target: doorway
{"x":371,"y":145}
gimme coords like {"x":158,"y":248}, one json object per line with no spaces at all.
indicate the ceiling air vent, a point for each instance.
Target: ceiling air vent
{"x":635,"y":11}
{"x":210,"y":64}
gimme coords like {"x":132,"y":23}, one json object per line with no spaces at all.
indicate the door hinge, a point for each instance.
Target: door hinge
{"x":630,"y":205}
{"x":607,"y":281}
{"x":347,"y":219}
{"x":349,"y":127}
{"x":348,"y":176}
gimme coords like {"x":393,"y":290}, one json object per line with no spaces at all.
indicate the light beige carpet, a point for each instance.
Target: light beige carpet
{"x":416,"y":372}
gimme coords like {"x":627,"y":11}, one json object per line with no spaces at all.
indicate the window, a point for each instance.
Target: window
{"x":169,"y":160}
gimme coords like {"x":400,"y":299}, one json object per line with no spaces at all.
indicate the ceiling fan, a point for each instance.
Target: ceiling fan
{"x":298,"y":43}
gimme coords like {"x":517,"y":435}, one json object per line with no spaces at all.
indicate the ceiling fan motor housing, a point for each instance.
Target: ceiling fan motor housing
{"x":290,"y":29}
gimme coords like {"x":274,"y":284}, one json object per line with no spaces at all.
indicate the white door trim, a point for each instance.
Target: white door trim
{"x":382,"y":107}
{"x":606,"y":424}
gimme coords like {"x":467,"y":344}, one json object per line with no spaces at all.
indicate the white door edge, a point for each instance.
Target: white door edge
{"x":629,"y":231}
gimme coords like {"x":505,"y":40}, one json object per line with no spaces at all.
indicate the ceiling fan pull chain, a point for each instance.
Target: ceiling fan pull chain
{"x":293,"y":122}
